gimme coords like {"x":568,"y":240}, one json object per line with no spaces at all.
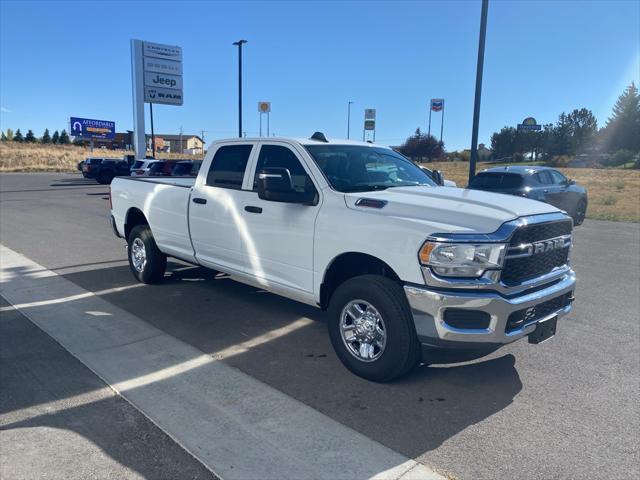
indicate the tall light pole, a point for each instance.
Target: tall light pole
{"x":239,"y":44}
{"x":476,"y":107}
{"x":349,"y":118}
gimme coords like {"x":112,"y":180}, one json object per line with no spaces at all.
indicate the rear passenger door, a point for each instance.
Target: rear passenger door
{"x":216,"y":219}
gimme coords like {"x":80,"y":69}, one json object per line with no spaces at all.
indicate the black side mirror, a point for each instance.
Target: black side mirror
{"x":571,"y":182}
{"x":275,"y":185}
{"x":437,"y":177}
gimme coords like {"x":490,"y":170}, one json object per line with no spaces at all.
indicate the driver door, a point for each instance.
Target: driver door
{"x":278,"y":246}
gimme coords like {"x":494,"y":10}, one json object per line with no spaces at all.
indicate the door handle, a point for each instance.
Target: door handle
{"x":545,"y":190}
{"x":251,"y":209}
{"x":201,"y":201}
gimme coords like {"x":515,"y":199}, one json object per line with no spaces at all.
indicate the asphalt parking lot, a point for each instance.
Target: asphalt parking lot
{"x":568,"y":408}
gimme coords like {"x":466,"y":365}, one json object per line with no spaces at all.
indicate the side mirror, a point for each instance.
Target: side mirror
{"x":437,"y":177}
{"x":571,"y":182}
{"x":275,"y":185}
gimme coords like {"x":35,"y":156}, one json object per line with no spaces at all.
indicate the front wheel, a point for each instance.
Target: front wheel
{"x":146,"y":261}
{"x":580,"y":212}
{"x":371,"y":328}
{"x":105,"y":177}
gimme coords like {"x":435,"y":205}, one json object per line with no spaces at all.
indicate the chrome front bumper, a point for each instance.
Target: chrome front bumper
{"x":428,"y":306}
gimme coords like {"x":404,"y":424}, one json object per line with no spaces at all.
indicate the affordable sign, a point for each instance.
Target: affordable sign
{"x":89,"y":128}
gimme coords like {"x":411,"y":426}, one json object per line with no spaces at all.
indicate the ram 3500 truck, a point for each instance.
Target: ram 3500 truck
{"x":409,"y":271}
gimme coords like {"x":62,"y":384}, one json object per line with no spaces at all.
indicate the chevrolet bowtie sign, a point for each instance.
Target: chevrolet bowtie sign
{"x":162,"y":67}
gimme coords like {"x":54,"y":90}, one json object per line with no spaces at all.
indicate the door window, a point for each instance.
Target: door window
{"x":228,"y":166}
{"x":276,"y":156}
{"x":544,"y":177}
{"x":558,"y":178}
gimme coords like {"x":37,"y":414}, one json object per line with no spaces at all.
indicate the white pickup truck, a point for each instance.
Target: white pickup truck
{"x":409,"y":271}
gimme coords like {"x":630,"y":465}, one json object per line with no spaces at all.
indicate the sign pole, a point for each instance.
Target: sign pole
{"x":153,"y":135}
{"x":260,"y":113}
{"x":268,"y":115}
{"x":442,"y":122}
{"x":137,"y":78}
{"x":476,"y":107}
{"x":429,"y":130}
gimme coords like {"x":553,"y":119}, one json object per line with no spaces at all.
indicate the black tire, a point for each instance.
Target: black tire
{"x":105,"y":177}
{"x":402,"y":350}
{"x":580,"y":212}
{"x":153,"y":268}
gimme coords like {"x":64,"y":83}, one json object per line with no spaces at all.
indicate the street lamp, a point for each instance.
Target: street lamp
{"x":349,"y":118}
{"x":239,"y":44}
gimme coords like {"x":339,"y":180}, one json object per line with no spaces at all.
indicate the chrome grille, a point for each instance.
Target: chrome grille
{"x":520,"y":267}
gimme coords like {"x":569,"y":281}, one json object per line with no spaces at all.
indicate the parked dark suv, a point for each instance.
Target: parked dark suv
{"x":538,"y":183}
{"x":106,"y":169}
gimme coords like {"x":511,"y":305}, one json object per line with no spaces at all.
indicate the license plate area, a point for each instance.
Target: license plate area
{"x":544,"y":330}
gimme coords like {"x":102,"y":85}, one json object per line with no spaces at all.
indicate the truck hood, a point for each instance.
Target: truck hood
{"x":448,"y":210}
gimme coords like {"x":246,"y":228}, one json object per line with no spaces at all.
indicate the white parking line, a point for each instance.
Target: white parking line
{"x":235,"y":425}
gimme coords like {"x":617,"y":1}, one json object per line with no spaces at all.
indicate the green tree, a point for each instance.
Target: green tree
{"x":64,"y":138}
{"x":622,"y":130}
{"x":3,"y":137}
{"x":55,"y":139}
{"x":30,"y":138}
{"x":419,"y":146}
{"x":46,"y":138}
{"x":18,"y":136}
{"x":9,"y":134}
{"x":583,"y":128}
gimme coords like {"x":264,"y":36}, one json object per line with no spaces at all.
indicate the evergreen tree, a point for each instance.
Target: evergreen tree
{"x":46,"y":138}
{"x":623,"y":128}
{"x":9,"y":134}
{"x":56,"y":138}
{"x":3,"y":138}
{"x":64,"y":138}
{"x":18,"y":136}
{"x":30,"y":138}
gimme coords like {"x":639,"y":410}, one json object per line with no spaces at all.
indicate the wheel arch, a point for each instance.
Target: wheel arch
{"x":348,"y":265}
{"x":134,"y":217}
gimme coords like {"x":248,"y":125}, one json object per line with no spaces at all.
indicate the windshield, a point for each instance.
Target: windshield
{"x":358,"y":168}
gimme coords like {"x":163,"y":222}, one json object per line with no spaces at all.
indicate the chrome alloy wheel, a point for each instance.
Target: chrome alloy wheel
{"x":362,"y":330}
{"x":138,"y":255}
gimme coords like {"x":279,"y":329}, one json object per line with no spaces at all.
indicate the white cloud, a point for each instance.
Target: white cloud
{"x":4,"y":110}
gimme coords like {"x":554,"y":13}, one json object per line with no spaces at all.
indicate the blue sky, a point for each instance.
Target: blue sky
{"x":61,"y":59}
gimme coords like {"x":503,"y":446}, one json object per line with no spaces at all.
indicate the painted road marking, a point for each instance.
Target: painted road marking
{"x":235,"y":425}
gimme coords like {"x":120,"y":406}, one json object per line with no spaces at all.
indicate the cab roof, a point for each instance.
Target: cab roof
{"x":518,"y":169}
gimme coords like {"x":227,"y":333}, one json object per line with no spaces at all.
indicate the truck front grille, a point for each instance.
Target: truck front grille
{"x":518,"y":270}
{"x":526,"y":316}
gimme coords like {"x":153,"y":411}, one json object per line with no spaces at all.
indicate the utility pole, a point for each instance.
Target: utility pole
{"x":181,"y":149}
{"x":202,"y":132}
{"x":349,"y":118}
{"x":476,"y":107}
{"x":239,"y":44}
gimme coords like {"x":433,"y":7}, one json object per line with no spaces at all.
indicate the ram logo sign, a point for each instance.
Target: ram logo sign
{"x":547,"y":245}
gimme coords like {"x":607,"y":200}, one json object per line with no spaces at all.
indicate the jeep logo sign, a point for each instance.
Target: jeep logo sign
{"x":162,"y":80}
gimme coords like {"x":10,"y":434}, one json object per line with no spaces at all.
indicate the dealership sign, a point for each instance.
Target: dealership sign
{"x":162,"y":73}
{"x":89,"y":128}
{"x":529,"y":124}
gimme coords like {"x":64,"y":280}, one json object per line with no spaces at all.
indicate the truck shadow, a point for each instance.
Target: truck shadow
{"x":285,"y":344}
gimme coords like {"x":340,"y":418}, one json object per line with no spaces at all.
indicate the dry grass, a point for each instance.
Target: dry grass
{"x":614,"y":194}
{"x":27,"y":157}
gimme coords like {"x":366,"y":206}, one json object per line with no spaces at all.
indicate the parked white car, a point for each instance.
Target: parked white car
{"x":409,"y":271}
{"x":140,"y":168}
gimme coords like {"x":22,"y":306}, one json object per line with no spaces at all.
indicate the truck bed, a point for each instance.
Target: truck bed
{"x":175,"y":181}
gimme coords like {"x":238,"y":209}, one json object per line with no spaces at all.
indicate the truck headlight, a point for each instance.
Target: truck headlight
{"x":462,"y":259}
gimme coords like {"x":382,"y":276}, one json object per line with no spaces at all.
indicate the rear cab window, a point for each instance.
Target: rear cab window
{"x":228,"y":166}
{"x":497,"y":180}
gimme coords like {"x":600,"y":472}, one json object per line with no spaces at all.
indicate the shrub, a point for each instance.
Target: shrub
{"x":560,"y":161}
{"x":621,"y":157}
{"x":609,"y":200}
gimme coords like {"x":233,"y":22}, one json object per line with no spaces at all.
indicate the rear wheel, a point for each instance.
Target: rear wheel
{"x":371,"y":328}
{"x":146,"y":261}
{"x":580,"y":212}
